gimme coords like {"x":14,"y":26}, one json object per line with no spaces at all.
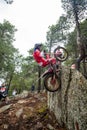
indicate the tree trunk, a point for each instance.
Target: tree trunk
{"x":11,"y":77}
{"x":39,"y":81}
{"x":80,"y":45}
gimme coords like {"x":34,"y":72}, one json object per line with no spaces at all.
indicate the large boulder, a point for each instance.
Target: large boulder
{"x":69,"y":104}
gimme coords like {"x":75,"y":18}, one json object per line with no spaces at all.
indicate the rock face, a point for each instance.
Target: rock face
{"x":69,"y":104}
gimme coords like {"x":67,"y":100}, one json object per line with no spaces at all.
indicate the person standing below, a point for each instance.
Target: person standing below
{"x":14,"y":92}
{"x":4,"y":92}
{"x":32,"y":88}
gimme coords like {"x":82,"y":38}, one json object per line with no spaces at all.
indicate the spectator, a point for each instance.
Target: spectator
{"x":14,"y":92}
{"x":32,"y":88}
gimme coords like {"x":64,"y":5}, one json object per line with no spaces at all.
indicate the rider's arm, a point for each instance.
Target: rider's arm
{"x":46,"y":55}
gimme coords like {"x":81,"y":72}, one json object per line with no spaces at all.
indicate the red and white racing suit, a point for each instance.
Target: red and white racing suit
{"x":41,"y":60}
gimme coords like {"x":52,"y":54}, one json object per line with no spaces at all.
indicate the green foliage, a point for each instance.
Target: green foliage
{"x":76,"y":11}
{"x":10,"y":60}
{"x":84,"y":32}
{"x":71,"y":45}
{"x":29,"y":70}
{"x":6,"y":48}
{"x":74,"y":6}
{"x":57,"y":33}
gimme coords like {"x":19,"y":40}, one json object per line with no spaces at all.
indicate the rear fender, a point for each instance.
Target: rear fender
{"x":46,"y":73}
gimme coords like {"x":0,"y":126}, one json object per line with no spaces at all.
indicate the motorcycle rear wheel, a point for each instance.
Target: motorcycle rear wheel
{"x":52,"y":83}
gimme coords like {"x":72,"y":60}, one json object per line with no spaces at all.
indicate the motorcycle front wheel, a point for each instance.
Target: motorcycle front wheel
{"x":51,"y":82}
{"x":64,"y":54}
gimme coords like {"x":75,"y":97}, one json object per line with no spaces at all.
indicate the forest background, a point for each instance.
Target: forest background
{"x":69,"y":31}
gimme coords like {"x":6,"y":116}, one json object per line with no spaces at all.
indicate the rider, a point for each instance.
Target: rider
{"x":39,"y":58}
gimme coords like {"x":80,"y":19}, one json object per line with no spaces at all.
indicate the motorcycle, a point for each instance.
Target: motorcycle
{"x":52,"y":77}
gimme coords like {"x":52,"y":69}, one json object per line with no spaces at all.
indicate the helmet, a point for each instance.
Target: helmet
{"x":38,"y":45}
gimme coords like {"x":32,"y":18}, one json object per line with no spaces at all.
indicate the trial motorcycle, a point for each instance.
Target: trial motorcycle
{"x":52,"y":76}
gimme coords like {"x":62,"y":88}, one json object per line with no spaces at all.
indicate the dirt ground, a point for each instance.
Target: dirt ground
{"x":30,"y":113}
